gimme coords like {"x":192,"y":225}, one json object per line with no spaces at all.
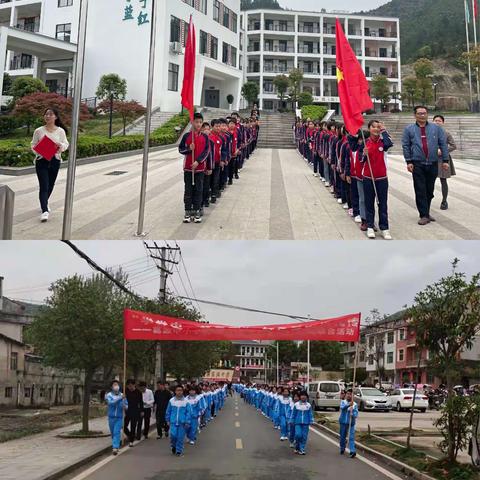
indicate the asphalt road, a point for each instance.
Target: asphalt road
{"x":238,"y":444}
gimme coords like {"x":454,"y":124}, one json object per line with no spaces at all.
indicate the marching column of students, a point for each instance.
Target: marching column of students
{"x":214,"y":154}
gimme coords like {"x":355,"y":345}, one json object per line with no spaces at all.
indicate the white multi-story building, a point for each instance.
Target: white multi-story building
{"x":118,"y":40}
{"x":277,"y":41}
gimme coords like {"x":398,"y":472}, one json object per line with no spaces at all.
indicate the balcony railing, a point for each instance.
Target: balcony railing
{"x":276,"y":69}
{"x":279,"y":28}
{"x":310,"y":70}
{"x":309,"y":28}
{"x":305,"y":49}
{"x":19,"y":63}
{"x":378,"y":54}
{"x":253,"y":70}
{"x":29,"y":27}
{"x":253,"y":48}
{"x":354,"y":33}
{"x":380,"y":34}
{"x":279,"y":49}
{"x":254,"y":26}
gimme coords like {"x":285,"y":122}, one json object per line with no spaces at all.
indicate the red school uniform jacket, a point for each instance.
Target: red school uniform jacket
{"x":377,"y":150}
{"x":202,"y":151}
{"x":217,"y":147}
{"x":234,"y":143}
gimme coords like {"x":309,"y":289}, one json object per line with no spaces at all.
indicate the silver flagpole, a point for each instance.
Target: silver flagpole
{"x":468,"y":51}
{"x":77,"y":100}
{"x":148,"y":122}
{"x":476,"y":45}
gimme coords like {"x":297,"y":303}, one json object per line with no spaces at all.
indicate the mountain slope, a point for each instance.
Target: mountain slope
{"x":437,"y":23}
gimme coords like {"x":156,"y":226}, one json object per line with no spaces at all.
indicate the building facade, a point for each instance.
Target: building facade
{"x":253,"y":360}
{"x":121,"y":45}
{"x":24,"y":380}
{"x":277,"y":41}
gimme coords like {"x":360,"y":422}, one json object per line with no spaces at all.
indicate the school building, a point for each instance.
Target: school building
{"x":277,"y":41}
{"x":39,"y":38}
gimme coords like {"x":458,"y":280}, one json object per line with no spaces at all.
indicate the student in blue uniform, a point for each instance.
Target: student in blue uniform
{"x":178,"y":417}
{"x":194,"y":401}
{"x":291,"y":425}
{"x":302,"y":416}
{"x":348,"y":416}
{"x":116,"y":402}
{"x":284,"y":410}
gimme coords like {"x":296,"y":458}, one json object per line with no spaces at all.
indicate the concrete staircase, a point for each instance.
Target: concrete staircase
{"x":138,"y":126}
{"x":464,"y":128}
{"x":210,"y":114}
{"x":276,"y":130}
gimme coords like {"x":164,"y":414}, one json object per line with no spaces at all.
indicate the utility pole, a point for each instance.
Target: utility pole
{"x":159,"y":254}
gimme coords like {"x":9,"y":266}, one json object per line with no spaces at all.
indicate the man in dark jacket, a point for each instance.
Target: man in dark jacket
{"x":421,"y":143}
{"x":162,"y":396}
{"x":134,"y":411}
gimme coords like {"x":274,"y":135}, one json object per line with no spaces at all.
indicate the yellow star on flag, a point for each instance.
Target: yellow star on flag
{"x":339,"y":75}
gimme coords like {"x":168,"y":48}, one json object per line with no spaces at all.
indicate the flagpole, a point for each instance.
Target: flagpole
{"x":468,"y":52}
{"x":148,"y":123}
{"x":124,"y":438}
{"x":77,"y":99}
{"x":474,"y":10}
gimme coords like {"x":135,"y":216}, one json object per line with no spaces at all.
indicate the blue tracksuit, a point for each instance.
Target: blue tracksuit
{"x":195,"y":405}
{"x":116,"y":403}
{"x":302,"y":417}
{"x":178,"y":416}
{"x":283,"y":412}
{"x":344,"y":421}
{"x":207,"y":405}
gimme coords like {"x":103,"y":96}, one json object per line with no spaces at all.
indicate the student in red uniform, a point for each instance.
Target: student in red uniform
{"x":194,"y":168}
{"x":216,"y":146}
{"x":207,"y":180}
{"x":226,"y":139}
{"x":378,"y":143}
{"x":234,"y":150}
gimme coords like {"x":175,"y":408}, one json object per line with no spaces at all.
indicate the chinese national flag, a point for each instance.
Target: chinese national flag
{"x":475,"y":9}
{"x":189,"y":70}
{"x":352,"y":84}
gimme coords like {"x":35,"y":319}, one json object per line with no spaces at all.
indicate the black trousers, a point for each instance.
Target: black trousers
{"x":132,"y":422}
{"x":207,"y":185}
{"x":193,"y":192}
{"x":47,"y":172}
{"x":232,"y":168}
{"x":215,"y":180}
{"x":147,"y":413}
{"x":424,"y":177}
{"x":162,"y":425}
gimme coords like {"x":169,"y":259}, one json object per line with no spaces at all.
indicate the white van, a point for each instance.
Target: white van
{"x":324,"y":394}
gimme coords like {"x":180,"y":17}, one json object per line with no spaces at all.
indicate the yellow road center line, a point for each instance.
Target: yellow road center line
{"x":237,"y":414}
{"x":238,"y":444}
{"x":236,"y":408}
{"x":237,"y":424}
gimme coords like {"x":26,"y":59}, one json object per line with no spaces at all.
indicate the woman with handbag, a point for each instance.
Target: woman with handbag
{"x":47,"y":168}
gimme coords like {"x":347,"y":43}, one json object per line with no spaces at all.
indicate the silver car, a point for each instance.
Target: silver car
{"x":372,"y":399}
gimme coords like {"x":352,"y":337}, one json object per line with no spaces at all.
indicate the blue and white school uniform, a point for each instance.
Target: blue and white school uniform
{"x":116,"y":403}
{"x":344,"y":422}
{"x":179,"y":417}
{"x":302,"y":417}
{"x":283,"y":412}
{"x":195,"y":406}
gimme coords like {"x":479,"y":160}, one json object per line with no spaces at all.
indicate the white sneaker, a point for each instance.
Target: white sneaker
{"x":327,"y":184}
{"x":44,"y":217}
{"x":386,"y":235}
{"x":323,"y":180}
{"x":315,"y":175}
{"x":339,"y":200}
{"x":332,"y":190}
{"x":370,"y":233}
{"x":191,"y":442}
{"x":358,"y":219}
{"x":345,"y":206}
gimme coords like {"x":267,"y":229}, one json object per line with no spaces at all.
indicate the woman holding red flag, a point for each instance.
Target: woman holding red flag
{"x":47,"y":168}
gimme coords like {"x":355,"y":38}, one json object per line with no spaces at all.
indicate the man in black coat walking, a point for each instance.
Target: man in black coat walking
{"x":162,"y":396}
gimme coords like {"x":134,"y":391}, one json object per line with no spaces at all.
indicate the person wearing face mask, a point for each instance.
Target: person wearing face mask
{"x":116,"y":402}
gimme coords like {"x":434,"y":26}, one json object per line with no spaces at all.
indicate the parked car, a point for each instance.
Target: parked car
{"x":368,"y":398}
{"x":325,"y":394}
{"x":402,"y":399}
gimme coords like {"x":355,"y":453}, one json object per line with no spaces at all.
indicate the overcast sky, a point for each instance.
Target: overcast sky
{"x":317,"y":5}
{"x":321,"y":279}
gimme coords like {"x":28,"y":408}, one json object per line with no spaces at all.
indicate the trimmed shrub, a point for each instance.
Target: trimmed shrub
{"x":315,"y":112}
{"x":8,"y":124}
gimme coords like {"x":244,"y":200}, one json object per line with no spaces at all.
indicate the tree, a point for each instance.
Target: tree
{"x":281,"y":83}
{"x":111,"y":86}
{"x":473,"y":57}
{"x":425,"y":52}
{"x":81,"y":328}
{"x":23,"y":86}
{"x":260,"y":4}
{"x":287,"y":352}
{"x":446,"y":319}
{"x":30,"y":108}
{"x":296,"y":77}
{"x":380,"y":89}
{"x":126,"y":110}
{"x":410,"y":88}
{"x":423,"y":67}
{"x":250,"y":92}
{"x":304,"y":99}
{"x":327,"y":355}
{"x":7,"y":83}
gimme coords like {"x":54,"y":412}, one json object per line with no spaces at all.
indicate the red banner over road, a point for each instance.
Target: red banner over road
{"x":149,"y":326}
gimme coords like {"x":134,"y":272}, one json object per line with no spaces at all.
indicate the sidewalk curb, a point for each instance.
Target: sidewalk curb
{"x":391,"y":462}
{"x":62,"y":471}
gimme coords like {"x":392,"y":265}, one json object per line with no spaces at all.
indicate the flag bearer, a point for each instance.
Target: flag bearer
{"x":116,"y":402}
{"x":302,"y":416}
{"x":348,"y":416}
{"x":178,"y":416}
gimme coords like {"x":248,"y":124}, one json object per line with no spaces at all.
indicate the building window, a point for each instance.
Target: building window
{"x":389,"y":357}
{"x":214,"y":48}
{"x":234,"y":22}
{"x":370,"y":359}
{"x":226,"y":17}
{"x":8,"y":392}
{"x":216,"y":10}
{"x":225,"y":53}
{"x":362,"y":356}
{"x":65,"y":3}
{"x":390,"y":337}
{"x":233,"y":57}
{"x":63,"y":32}
{"x":173,"y":77}
{"x":14,"y":361}
{"x":401,"y":334}
{"x":401,"y":354}
{"x":371,"y":341}
{"x":203,"y":43}
{"x":175,"y":29}
{"x":27,"y":392}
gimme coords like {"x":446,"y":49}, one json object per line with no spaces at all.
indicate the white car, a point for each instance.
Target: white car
{"x":402,"y":399}
{"x":324,"y":394}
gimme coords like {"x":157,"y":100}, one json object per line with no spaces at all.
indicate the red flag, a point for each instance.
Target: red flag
{"x":352,"y":84}
{"x":149,"y":326}
{"x":189,"y":70}
{"x":475,"y":9}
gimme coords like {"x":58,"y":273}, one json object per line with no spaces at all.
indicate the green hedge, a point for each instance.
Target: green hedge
{"x":315,"y":112}
{"x":17,"y":153}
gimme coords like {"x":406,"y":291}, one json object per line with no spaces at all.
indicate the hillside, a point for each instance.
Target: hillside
{"x":439,"y":24}
{"x":254,"y":4}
